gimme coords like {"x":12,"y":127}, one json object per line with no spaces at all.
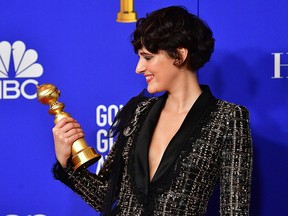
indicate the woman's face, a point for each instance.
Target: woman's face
{"x":158,"y":69}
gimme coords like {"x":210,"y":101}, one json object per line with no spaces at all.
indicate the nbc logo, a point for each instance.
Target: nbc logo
{"x":12,"y":84}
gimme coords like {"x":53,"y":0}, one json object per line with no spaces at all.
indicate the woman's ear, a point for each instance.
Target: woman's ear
{"x":183,"y":53}
{"x":182,"y":56}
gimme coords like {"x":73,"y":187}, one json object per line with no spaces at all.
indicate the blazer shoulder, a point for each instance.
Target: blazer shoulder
{"x":232,"y":109}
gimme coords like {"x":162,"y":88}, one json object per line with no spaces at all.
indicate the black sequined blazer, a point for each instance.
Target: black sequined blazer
{"x":212,"y":145}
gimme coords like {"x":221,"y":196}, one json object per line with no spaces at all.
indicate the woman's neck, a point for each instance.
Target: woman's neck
{"x":182,"y":98}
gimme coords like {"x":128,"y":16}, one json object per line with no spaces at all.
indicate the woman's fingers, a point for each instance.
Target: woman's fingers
{"x":68,"y":129}
{"x":73,"y":132}
{"x":64,"y":121}
{"x":65,"y":133}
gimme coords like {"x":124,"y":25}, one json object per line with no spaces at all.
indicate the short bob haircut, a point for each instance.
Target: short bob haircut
{"x":171,"y":28}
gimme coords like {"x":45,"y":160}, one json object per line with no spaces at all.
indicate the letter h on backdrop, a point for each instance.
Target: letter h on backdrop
{"x":278,"y":65}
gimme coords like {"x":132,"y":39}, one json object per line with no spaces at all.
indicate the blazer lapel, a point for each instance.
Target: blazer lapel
{"x":195,"y":114}
{"x":142,"y":145}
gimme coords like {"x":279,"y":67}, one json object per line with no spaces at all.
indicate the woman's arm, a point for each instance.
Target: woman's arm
{"x":236,"y":165}
{"x":91,"y":187}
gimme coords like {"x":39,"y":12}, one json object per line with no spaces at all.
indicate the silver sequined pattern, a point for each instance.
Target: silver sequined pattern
{"x":220,"y":150}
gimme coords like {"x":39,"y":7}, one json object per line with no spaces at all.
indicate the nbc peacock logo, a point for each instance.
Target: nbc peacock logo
{"x":18,"y":70}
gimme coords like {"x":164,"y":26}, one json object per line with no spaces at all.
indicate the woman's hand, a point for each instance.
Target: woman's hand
{"x":65,"y":133}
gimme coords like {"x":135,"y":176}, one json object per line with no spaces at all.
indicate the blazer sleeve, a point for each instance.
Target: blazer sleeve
{"x":91,"y":187}
{"x":236,"y":167}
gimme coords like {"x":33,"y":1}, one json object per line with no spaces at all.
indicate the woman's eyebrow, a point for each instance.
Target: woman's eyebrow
{"x":143,"y":53}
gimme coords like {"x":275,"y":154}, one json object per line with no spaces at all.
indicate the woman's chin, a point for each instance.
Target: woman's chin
{"x":151,"y":90}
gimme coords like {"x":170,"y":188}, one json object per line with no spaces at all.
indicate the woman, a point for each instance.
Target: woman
{"x":170,"y":150}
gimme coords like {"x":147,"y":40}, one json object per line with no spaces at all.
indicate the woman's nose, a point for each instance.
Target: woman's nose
{"x":140,"y":68}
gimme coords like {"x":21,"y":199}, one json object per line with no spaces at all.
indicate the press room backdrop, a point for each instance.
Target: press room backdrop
{"x":79,"y":47}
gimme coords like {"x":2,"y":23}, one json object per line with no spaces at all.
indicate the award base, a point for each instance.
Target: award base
{"x":126,"y":13}
{"x":85,"y":158}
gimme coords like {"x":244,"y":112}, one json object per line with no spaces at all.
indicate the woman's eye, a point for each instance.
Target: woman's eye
{"x":147,"y":57}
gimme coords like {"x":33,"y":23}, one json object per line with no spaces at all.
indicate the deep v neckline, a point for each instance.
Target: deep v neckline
{"x":175,"y":145}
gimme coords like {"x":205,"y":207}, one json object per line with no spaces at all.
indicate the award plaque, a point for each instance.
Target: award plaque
{"x":82,"y":154}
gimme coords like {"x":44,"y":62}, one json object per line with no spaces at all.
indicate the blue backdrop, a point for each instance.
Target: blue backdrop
{"x":79,"y":47}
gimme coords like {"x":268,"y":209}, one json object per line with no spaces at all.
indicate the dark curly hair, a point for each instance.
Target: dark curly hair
{"x":171,"y":28}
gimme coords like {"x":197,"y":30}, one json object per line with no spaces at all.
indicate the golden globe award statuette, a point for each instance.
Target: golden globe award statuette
{"x":82,"y":154}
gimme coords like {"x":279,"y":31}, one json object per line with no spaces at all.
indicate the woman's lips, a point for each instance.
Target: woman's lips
{"x":149,"y":78}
